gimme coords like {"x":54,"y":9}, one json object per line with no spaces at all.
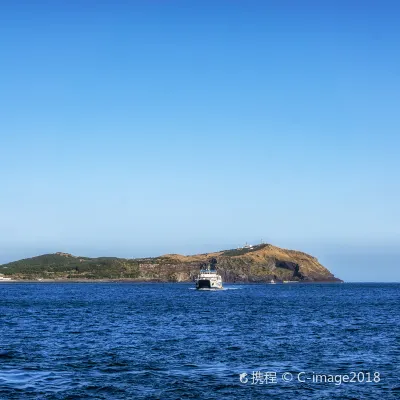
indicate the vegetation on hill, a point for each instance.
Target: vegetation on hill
{"x":66,"y":266}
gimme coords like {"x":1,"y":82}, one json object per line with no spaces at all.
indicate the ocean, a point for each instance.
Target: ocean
{"x":168,"y":341}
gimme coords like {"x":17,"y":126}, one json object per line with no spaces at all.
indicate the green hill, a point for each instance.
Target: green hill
{"x":257,"y":264}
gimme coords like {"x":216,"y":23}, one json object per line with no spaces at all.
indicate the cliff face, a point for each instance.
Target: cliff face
{"x":258,"y":264}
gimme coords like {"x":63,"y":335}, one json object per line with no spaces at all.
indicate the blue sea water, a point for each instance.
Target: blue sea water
{"x":168,"y":341}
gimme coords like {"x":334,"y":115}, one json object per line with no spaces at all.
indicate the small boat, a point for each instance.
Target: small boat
{"x":272,"y":282}
{"x":208,"y":278}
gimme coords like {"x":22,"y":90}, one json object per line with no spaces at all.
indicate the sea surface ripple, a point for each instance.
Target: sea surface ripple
{"x":166,"y":341}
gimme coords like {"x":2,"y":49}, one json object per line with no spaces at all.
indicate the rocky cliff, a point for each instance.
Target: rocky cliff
{"x":257,"y":264}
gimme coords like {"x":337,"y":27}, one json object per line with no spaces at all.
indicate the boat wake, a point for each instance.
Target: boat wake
{"x":217,"y":290}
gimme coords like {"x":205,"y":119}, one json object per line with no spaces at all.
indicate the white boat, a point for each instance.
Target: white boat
{"x":208,"y":278}
{"x":272,"y":282}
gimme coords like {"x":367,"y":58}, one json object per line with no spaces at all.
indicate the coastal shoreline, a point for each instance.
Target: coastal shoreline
{"x":156,"y":281}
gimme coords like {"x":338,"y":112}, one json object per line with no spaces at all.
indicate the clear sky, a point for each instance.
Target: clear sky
{"x":144,"y":127}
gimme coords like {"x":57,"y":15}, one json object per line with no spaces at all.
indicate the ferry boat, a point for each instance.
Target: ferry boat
{"x":208,"y":278}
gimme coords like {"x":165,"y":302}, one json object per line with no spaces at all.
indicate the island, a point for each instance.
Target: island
{"x":249,"y":264}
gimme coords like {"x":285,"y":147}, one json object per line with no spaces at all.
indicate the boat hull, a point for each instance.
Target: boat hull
{"x":207,"y":284}
{"x":208,"y":279}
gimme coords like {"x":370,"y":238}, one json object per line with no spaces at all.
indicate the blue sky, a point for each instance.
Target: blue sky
{"x":185,"y":126}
